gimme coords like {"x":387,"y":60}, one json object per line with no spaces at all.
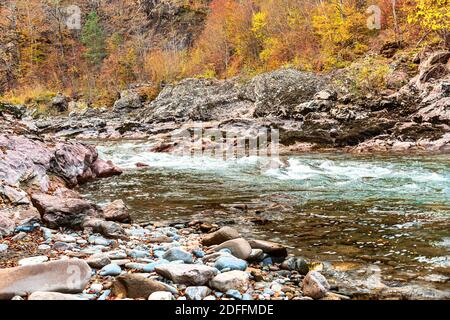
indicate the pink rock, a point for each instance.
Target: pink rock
{"x":105,"y":169}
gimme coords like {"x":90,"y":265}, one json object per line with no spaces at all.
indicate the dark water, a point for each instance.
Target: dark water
{"x":350,"y":212}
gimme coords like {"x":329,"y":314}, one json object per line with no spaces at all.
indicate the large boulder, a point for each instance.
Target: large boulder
{"x":57,"y":211}
{"x":276,"y":92}
{"x":129,"y":100}
{"x":198,"y":100}
{"x":64,"y":276}
{"x":188,"y":274}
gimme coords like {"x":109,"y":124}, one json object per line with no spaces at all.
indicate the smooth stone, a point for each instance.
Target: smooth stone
{"x":61,"y":246}
{"x":188,"y":274}
{"x":33,"y":260}
{"x":138,"y":254}
{"x":256,"y":255}
{"x":237,"y":280}
{"x":99,"y":241}
{"x":230,"y":263}
{"x":296,"y":264}
{"x":239,"y":248}
{"x":247,"y":297}
{"x":38,"y":295}
{"x":136,"y":287}
{"x":64,"y":238}
{"x":271,"y":248}
{"x":161,"y":295}
{"x":98,"y":261}
{"x":104,"y":295}
{"x":176,"y":254}
{"x":65,"y":276}
{"x":315,"y":285}
{"x":111,"y":270}
{"x":197,"y":293}
{"x":3,"y":247}
{"x":234,"y":294}
{"x":198,"y":253}
{"x":96,"y":287}
{"x":220,"y":236}
{"x":44,"y":247}
{"x":19,"y":236}
{"x":209,"y":298}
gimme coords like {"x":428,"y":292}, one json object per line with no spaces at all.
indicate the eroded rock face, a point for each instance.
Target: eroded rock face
{"x":63,"y":276}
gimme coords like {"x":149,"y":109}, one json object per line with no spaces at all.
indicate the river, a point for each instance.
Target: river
{"x":390,"y":214}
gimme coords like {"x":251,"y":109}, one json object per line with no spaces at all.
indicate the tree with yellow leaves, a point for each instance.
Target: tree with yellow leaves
{"x":434,"y":16}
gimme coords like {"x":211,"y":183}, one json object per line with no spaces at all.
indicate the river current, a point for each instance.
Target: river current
{"x":354,"y":213}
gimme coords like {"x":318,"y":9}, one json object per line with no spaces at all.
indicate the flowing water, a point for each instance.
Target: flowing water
{"x":351,"y":212}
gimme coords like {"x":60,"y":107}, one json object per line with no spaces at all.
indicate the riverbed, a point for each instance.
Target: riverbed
{"x":373,"y":220}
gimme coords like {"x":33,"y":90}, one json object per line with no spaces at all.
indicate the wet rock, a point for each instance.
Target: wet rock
{"x":271,"y":248}
{"x":239,"y":248}
{"x":177,"y":254}
{"x":53,"y":296}
{"x":98,"y":261}
{"x":188,"y":274}
{"x":161,"y":295}
{"x":55,"y":276}
{"x":105,"y":169}
{"x":237,"y":280}
{"x":117,"y":211}
{"x":315,"y":285}
{"x":63,"y":212}
{"x":136,"y":287}
{"x":296,"y":264}
{"x":220,"y":236}
{"x":231,"y":263}
{"x":197,"y":293}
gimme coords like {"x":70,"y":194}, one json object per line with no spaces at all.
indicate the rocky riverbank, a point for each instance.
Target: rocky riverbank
{"x":312,"y":112}
{"x":55,"y":245}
